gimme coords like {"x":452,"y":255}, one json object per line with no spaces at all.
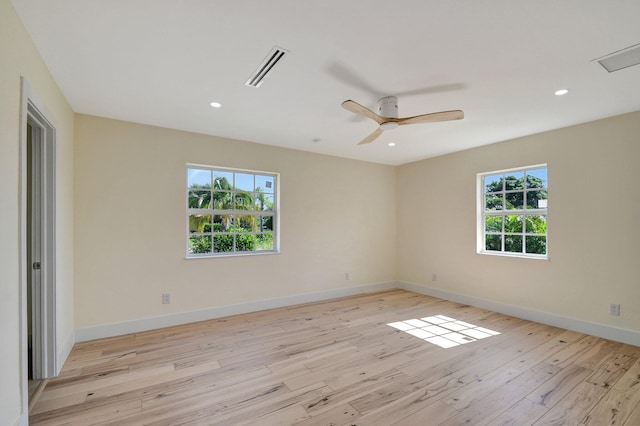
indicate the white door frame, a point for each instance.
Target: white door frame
{"x":44,"y":296}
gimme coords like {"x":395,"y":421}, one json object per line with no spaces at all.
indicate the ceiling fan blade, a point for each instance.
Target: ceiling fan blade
{"x":356,"y":108}
{"x":433,"y":117}
{"x":373,"y":136}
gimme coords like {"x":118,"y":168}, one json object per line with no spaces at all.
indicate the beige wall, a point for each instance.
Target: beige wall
{"x":337,"y":216}
{"x":19,"y":57}
{"x":594,"y":238}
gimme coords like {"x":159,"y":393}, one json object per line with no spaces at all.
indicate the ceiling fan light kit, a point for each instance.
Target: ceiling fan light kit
{"x":387,"y":118}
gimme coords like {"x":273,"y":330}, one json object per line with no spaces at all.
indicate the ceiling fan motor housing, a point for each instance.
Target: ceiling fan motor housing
{"x":388,"y":107}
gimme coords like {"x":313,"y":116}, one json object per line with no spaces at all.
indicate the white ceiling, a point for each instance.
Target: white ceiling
{"x":162,"y":62}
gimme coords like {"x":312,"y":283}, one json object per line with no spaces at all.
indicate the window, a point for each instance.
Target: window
{"x":231,"y":211}
{"x":513,"y":212}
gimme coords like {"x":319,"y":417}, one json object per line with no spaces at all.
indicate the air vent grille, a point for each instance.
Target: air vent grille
{"x":621,"y":59}
{"x":264,"y":69}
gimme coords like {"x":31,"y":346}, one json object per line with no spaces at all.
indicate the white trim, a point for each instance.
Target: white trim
{"x":511,"y":254}
{"x":514,"y":169}
{"x":25,"y":94}
{"x":144,"y":324}
{"x":631,"y":337}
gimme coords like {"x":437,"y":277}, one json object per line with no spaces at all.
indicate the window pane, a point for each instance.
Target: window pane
{"x":513,"y":223}
{"x":264,"y":242}
{"x":514,"y":200}
{"x":222,"y":243}
{"x":264,"y":202}
{"x":244,"y":182}
{"x":222,"y":200}
{"x":222,"y":223}
{"x":199,"y":199}
{"x":536,"y":245}
{"x":513,"y":243}
{"x":199,"y":223}
{"x":493,"y":224}
{"x":245,"y":242}
{"x":493,"y":183}
{"x":200,"y":244}
{"x":493,"y":202}
{"x":537,"y":178}
{"x":536,"y":224}
{"x":243,"y":201}
{"x":537,"y":199}
{"x":493,"y":242}
{"x":198,"y":178}
{"x":265,"y":223}
{"x":514,"y":180}
{"x":264,"y":184}
{"x":245,"y":223}
{"x":222,"y":180}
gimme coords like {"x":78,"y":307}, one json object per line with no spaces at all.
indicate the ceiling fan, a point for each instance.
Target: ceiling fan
{"x":388,"y":117}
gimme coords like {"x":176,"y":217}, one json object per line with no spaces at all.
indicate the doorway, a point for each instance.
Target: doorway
{"x":34,"y":382}
{"x":39,"y":246}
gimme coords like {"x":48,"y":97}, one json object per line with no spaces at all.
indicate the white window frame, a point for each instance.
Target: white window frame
{"x":482,"y":214}
{"x":274,"y":213}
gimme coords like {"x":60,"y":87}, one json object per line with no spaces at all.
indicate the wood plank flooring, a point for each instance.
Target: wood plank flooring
{"x":338,"y":363}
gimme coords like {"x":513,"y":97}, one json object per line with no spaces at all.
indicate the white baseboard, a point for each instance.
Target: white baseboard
{"x":600,"y":330}
{"x":144,"y":324}
{"x":117,"y":329}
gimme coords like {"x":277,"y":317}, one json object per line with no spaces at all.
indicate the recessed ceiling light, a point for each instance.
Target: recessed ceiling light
{"x":561,"y":92}
{"x":215,"y":104}
{"x":391,"y":144}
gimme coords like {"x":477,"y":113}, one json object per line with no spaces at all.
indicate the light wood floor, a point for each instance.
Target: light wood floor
{"x":339,"y":363}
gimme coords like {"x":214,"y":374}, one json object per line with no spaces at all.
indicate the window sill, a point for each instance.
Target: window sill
{"x":518,"y":255}
{"x":226,"y":255}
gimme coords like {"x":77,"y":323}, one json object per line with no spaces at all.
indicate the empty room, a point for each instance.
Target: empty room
{"x":319,"y":212}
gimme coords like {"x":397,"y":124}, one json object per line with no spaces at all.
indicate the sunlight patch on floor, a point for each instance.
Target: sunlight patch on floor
{"x":443,"y":331}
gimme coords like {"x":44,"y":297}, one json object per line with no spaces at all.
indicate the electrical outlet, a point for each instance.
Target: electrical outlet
{"x":434,"y":277}
{"x":166,"y":298}
{"x":614,"y":309}
{"x":346,"y":276}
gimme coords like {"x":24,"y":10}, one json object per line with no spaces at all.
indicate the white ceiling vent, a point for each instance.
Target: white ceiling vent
{"x":624,"y":58}
{"x":266,"y":66}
